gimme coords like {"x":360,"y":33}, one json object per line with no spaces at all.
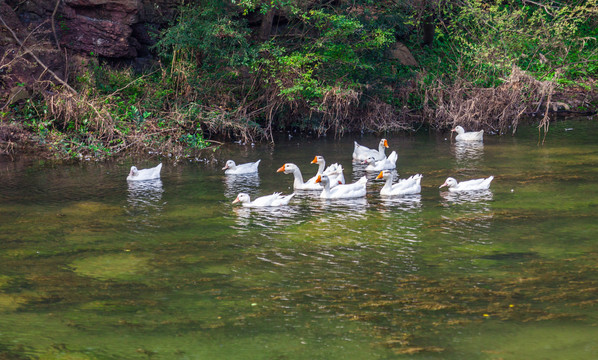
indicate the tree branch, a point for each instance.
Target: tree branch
{"x":53,"y":26}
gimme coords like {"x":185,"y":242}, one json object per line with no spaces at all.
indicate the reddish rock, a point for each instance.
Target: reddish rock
{"x":100,"y":27}
{"x":100,"y":37}
{"x":122,"y":11}
{"x":12,"y":20}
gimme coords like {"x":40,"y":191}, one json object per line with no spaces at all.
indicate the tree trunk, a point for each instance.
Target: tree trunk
{"x":266,"y":27}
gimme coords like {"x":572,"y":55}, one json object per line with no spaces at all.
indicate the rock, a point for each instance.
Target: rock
{"x":100,"y":37}
{"x":400,"y":52}
{"x":121,"y":11}
{"x":100,"y":27}
{"x":12,"y":20}
{"x":18,"y":93}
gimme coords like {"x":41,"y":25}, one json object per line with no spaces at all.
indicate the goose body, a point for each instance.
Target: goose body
{"x":144,"y":174}
{"x":233,"y":169}
{"x":298,"y":183}
{"x":409,"y":186}
{"x":469,"y":185}
{"x":389,"y":163}
{"x":275,"y":199}
{"x":335,"y":174}
{"x":342,"y":191}
{"x":468,"y":136}
{"x":361,"y":153}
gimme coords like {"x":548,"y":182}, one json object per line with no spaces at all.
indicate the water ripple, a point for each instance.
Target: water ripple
{"x":235,"y":184}
{"x":144,"y":201}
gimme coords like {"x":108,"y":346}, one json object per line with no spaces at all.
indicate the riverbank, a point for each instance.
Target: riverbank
{"x":153,"y":139}
{"x":221,"y":72}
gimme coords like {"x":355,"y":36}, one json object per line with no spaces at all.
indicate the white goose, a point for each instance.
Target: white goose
{"x":269,"y":200}
{"x":468,"y":136}
{"x":389,"y":163}
{"x":144,"y":174}
{"x":298,"y":184}
{"x":335,"y":174}
{"x":234,"y":169}
{"x":334,"y":171}
{"x":470,"y":185}
{"x":343,"y":191}
{"x":409,"y":186}
{"x":361,"y":152}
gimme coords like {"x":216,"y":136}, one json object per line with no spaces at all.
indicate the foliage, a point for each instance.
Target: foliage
{"x":245,"y":68}
{"x":487,"y":38}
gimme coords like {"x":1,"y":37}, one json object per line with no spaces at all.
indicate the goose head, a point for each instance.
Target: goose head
{"x":384,"y":143}
{"x":229,"y":165}
{"x":323,"y":179}
{"x":369,"y":160}
{"x":459,"y":130}
{"x":242,"y":198}
{"x":450,"y":182}
{"x":288,"y":168}
{"x":318,"y":160}
{"x":384,"y":174}
{"x":134,"y":171}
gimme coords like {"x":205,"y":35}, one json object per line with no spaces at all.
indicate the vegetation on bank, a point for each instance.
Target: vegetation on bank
{"x":244,"y":69}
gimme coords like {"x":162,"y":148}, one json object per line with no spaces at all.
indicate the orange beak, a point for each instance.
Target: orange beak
{"x":319,"y":179}
{"x":380,"y":175}
{"x":281,"y":169}
{"x":315,"y":160}
{"x":445,"y":184}
{"x":236,"y":200}
{"x":385,"y":143}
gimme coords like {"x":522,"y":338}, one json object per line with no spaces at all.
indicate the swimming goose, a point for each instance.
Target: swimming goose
{"x":298,"y":184}
{"x":411,"y":185}
{"x":470,"y":185}
{"x":342,"y":191}
{"x":468,"y":136}
{"x":388,"y":163}
{"x":334,"y":171}
{"x":234,"y":169}
{"x":361,"y":152}
{"x":335,"y":174}
{"x":269,"y":200}
{"x":144,"y":174}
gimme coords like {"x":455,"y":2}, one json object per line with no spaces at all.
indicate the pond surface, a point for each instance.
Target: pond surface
{"x":94,"y":268}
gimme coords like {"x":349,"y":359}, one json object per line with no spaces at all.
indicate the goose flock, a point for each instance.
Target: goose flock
{"x":330,"y":181}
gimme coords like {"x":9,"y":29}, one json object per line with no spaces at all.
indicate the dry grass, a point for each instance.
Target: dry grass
{"x":499,"y":109}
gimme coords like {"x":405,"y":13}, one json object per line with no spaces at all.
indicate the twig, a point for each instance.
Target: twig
{"x":36,"y":58}
{"x":53,"y":26}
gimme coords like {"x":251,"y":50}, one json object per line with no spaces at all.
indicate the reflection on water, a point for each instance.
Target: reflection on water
{"x":354,"y":205}
{"x":235,"y":184}
{"x":469,"y":152}
{"x":145,"y":200}
{"x":480,"y":196}
{"x":407,"y":202}
{"x":470,"y":215}
{"x":268,"y":218}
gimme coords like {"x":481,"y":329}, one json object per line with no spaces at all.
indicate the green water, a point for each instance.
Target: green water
{"x":93,"y":268}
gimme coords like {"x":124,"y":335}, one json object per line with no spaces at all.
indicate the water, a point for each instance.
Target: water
{"x":94,"y":268}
